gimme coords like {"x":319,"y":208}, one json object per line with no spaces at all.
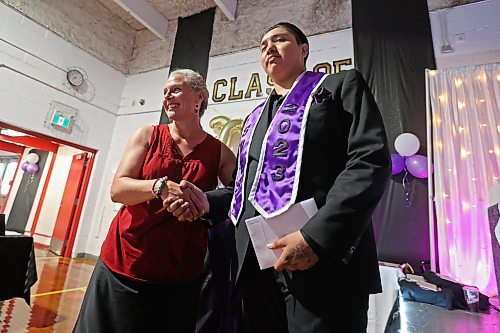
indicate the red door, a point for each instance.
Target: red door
{"x":69,"y":203}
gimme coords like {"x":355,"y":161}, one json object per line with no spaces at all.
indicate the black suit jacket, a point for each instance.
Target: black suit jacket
{"x":345,"y":167}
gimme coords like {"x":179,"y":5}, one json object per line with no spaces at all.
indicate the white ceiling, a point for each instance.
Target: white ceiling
{"x":137,"y":36}
{"x":142,"y":14}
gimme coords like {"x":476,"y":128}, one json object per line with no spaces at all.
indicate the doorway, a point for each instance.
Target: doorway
{"x":58,"y":195}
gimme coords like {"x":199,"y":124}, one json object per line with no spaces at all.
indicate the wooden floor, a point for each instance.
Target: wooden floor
{"x":55,"y":298}
{"x":58,"y":294}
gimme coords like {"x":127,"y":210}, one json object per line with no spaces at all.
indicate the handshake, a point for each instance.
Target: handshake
{"x":185,"y":200}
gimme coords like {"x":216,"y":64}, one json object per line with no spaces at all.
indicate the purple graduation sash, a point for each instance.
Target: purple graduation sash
{"x":275,"y":186}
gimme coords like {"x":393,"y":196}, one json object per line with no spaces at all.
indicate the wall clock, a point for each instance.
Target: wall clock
{"x":75,"y":77}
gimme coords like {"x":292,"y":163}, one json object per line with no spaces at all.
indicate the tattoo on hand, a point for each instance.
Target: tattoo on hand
{"x":300,"y":252}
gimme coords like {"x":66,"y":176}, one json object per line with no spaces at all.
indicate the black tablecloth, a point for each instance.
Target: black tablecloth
{"x":17,"y":267}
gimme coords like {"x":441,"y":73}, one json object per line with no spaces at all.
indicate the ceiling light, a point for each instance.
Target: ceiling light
{"x":10,"y":132}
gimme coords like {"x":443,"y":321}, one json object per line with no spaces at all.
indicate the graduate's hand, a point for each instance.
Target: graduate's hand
{"x":179,"y":208}
{"x":297,"y":254}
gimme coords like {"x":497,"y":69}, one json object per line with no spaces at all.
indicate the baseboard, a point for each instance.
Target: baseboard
{"x":41,"y":246}
{"x":83,"y":255}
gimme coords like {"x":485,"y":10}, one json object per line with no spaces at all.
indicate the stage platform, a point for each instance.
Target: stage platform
{"x":390,"y":313}
{"x":416,"y":317}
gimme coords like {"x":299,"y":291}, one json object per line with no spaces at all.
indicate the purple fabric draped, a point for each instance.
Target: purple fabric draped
{"x":246,"y":134}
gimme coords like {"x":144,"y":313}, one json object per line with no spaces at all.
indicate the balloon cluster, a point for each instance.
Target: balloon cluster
{"x":407,"y":145}
{"x":31,"y":166}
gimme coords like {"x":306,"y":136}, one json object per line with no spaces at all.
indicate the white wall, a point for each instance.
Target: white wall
{"x":473,"y":33}
{"x":131,"y":116}
{"x":25,"y":102}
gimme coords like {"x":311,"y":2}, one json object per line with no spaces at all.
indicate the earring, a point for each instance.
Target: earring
{"x":196,"y":108}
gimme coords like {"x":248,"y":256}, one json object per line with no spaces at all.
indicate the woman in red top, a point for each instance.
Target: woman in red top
{"x":147,"y":278}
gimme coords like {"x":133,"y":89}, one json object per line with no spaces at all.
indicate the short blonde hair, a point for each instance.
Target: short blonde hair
{"x":197,"y":83}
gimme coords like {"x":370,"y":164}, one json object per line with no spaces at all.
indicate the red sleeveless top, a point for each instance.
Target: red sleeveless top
{"x":147,"y":243}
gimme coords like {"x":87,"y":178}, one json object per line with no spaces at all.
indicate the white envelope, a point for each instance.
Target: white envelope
{"x":263,"y":232}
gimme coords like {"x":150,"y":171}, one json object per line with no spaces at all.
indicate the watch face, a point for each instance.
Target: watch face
{"x":75,"y":77}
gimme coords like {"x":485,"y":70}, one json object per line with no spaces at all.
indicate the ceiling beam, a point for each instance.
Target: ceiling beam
{"x":228,"y":7}
{"x":143,"y":12}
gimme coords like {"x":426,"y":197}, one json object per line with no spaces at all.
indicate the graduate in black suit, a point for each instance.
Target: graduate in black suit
{"x":316,"y":136}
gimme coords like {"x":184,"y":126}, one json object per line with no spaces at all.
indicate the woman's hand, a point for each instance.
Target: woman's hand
{"x":190,"y":205}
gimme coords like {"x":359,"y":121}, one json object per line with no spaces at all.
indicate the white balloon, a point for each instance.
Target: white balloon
{"x":33,"y":158}
{"x":407,"y":144}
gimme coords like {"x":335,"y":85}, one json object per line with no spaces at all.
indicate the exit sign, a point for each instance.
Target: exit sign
{"x":61,"y":121}
{"x":61,"y":117}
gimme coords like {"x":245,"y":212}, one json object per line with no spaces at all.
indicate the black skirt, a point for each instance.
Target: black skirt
{"x":115,"y":303}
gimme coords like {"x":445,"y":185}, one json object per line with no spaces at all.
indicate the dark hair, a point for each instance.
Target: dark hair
{"x":300,"y":37}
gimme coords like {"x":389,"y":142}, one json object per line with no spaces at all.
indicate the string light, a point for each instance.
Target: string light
{"x":437,"y":121}
{"x":481,"y":100}
{"x":464,"y":153}
{"x":479,"y":265}
{"x":461,"y":129}
{"x":483,"y":125}
{"x":445,"y":195}
{"x":498,"y":77}
{"x":432,"y":73}
{"x":491,"y":151}
{"x":461,"y":105}
{"x":458,"y":83}
{"x":465,"y":205}
{"x":473,"y":179}
{"x":440,"y":145}
{"x":481,"y":77}
{"x":442,"y":98}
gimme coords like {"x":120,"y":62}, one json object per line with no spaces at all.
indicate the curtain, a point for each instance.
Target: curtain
{"x":392,"y":54}
{"x":465,"y":129}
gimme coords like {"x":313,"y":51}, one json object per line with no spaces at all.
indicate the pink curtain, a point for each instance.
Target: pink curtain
{"x":465,"y":128}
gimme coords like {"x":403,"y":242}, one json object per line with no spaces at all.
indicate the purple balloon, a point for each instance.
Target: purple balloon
{"x":24,"y":166}
{"x":32,"y":168}
{"x":398,"y":163}
{"x":417,"y":166}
